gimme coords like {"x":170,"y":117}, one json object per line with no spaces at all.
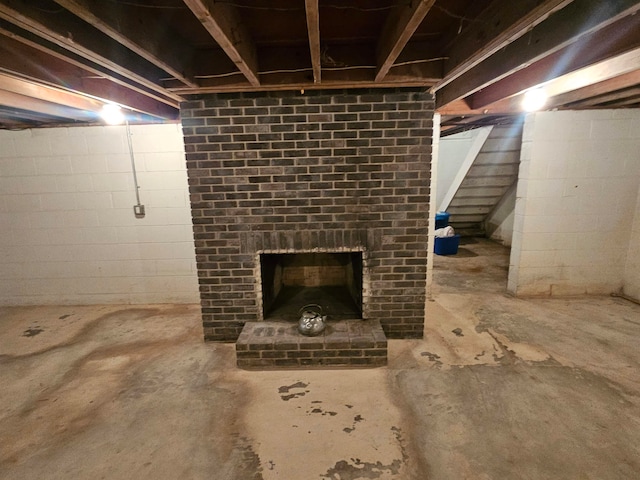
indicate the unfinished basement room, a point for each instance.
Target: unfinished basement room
{"x":320,"y":239}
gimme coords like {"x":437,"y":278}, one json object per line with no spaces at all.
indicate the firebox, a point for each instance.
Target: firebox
{"x":332,"y":280}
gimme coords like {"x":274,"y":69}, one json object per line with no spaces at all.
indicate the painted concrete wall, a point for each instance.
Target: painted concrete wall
{"x":68,"y":234}
{"x":576,"y":201}
{"x":631,"y":285}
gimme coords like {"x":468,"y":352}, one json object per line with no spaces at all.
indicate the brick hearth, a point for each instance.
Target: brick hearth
{"x":345,"y":343}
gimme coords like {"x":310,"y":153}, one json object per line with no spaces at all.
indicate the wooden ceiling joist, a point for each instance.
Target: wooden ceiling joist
{"x":313,"y":28}
{"x":579,"y":18}
{"x":479,"y":58}
{"x":85,"y":42}
{"x":622,"y":37}
{"x":166,"y":50}
{"x":398,"y":30}
{"x":223,"y":23}
{"x":25,"y":58}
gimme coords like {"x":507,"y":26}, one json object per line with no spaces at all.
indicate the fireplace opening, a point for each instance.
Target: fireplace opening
{"x":333,"y":280}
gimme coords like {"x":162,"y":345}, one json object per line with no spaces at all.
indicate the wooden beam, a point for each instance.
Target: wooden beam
{"x":399,"y":28}
{"x":223,"y":23}
{"x":53,"y":101}
{"x":53,"y":96}
{"x":500,"y":23}
{"x":34,"y":62}
{"x":417,"y":75}
{"x":313,"y":27}
{"x":581,"y":17}
{"x":630,"y":102}
{"x":614,"y":98}
{"x":42,"y":107}
{"x":165,"y":49}
{"x":84,"y":42}
{"x":626,"y":63}
{"x":287,"y":67}
{"x":620,"y":82}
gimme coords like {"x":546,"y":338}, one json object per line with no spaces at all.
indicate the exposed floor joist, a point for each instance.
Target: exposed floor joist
{"x":223,"y":23}
{"x":581,"y":17}
{"x":477,"y":57}
{"x":400,"y":26}
{"x":487,"y":34}
{"x":313,"y":26}
{"x":622,"y":37}
{"x":24,"y":58}
{"x":84,"y":42}
{"x":166,"y":50}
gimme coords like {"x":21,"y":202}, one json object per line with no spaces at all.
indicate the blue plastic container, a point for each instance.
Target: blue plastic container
{"x":442,"y":219}
{"x":447,"y":245}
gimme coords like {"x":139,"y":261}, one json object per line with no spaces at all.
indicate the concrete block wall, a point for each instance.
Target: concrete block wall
{"x":337,"y":170}
{"x":631,"y":286}
{"x":576,"y":202}
{"x":68,"y":234}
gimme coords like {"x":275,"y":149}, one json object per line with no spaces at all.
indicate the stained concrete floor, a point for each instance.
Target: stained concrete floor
{"x":500,"y":388}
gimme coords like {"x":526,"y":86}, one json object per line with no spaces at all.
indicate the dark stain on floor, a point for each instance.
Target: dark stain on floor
{"x":358,"y":470}
{"x":247,"y":461}
{"x":433,"y":357}
{"x":32,"y":331}
{"x":288,"y":388}
{"x":322,"y":412}
{"x":356,"y":419}
{"x":62,"y":317}
{"x":477,"y":357}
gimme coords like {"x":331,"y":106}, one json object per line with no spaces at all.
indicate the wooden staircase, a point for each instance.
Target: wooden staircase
{"x":493,"y":172}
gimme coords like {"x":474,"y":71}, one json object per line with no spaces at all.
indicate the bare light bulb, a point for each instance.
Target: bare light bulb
{"x":534,"y":100}
{"x":112,"y":114}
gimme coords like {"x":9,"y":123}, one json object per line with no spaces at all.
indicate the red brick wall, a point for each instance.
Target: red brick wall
{"x":334,"y":170}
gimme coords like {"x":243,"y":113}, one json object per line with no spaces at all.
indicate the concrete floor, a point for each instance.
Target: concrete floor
{"x":500,"y":388}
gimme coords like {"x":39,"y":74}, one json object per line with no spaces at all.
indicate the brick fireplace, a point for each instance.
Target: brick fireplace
{"x":317,"y":187}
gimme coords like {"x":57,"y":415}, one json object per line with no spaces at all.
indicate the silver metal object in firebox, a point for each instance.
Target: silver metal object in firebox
{"x":311,"y":322}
